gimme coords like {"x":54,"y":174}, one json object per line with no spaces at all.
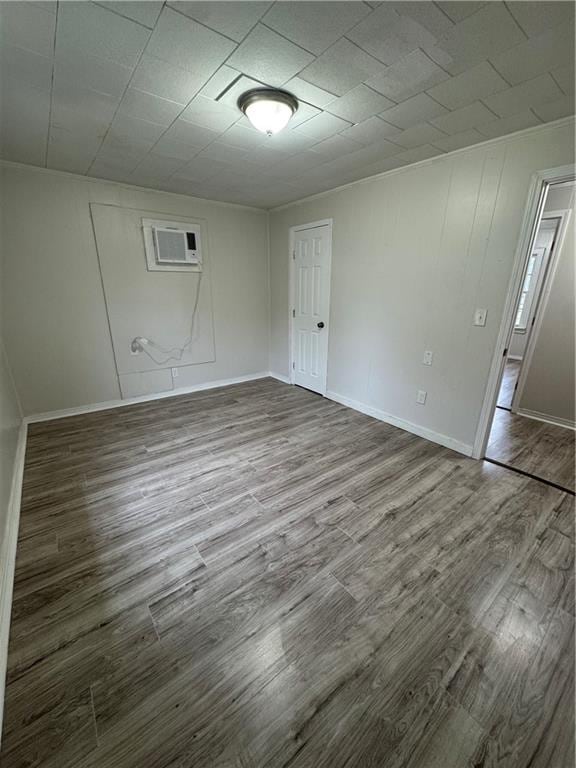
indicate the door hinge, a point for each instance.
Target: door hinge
{"x":293,"y":313}
{"x":533,"y":321}
{"x":293,"y":366}
{"x":505,"y":352}
{"x":294,"y":255}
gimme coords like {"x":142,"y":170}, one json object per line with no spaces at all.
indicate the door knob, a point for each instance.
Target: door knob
{"x":320,"y":324}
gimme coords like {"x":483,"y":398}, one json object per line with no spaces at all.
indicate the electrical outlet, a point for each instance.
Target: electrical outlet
{"x":480,"y":317}
{"x":174,"y":372}
{"x":427,"y":359}
{"x":421,"y":397}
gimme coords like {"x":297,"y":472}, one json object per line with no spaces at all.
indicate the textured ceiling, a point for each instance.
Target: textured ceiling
{"x":145,"y":92}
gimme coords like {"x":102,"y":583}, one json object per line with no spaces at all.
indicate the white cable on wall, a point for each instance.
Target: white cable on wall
{"x":143,"y":344}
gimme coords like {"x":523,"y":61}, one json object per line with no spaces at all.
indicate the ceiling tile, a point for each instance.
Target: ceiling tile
{"x":501,"y":127}
{"x":19,"y":148}
{"x":268,"y":57}
{"x":314,"y":25}
{"x":219,"y":82}
{"x":476,"y":83}
{"x":144,"y":12}
{"x":184,"y":43}
{"x":532,"y":93}
{"x":99,"y":32}
{"x":564,"y":76}
{"x":210,"y":114}
{"x":459,"y":140}
{"x":425,"y":152}
{"x":92,"y":72}
{"x":153,"y":167}
{"x":415,"y":110}
{"x":373,"y":129}
{"x":418,"y":135}
{"x":188,"y":133}
{"x":122,"y":153}
{"x":78,"y":125}
{"x":389,"y":34}
{"x":408,"y":76}
{"x":68,"y":153}
{"x":100,"y":169}
{"x":335,"y":146}
{"x":179,"y":150}
{"x":463,"y":119}
{"x":322,"y":126}
{"x":309,"y":93}
{"x":290,"y":141}
{"x":162,"y":79}
{"x":68,"y":94}
{"x":233,"y":19}
{"x":223,"y":152}
{"x":550,"y":50}
{"x":536,"y":17}
{"x":146,"y":106}
{"x":25,"y":67}
{"x":341,"y":67}
{"x":200,"y":169}
{"x":27,"y":26}
{"x":132,"y":128}
{"x":245,"y":138}
{"x":240,"y":86}
{"x":554,"y":110}
{"x":424,"y":13}
{"x":358,"y":104}
{"x":458,"y":10}
{"x":303,"y":113}
{"x":480,"y":36}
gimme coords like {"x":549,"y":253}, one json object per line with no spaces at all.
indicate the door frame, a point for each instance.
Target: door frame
{"x":291,"y":297}
{"x":541,"y":301}
{"x":536,"y":200}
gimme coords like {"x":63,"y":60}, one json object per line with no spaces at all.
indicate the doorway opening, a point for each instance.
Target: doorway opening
{"x":310,"y":270}
{"x":532,"y":424}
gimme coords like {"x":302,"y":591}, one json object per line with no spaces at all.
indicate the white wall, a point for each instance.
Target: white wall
{"x":56,"y":329}
{"x":550,"y":386}
{"x":414,"y":252}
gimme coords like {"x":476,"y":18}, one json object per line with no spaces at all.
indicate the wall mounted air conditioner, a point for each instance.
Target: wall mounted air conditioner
{"x":172,"y":246}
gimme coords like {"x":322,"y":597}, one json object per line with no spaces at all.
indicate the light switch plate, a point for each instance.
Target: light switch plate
{"x":480,"y":317}
{"x":421,"y":397}
{"x":174,"y":372}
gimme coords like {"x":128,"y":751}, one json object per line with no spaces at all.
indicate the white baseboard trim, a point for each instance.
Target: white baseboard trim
{"x":545,"y":418}
{"x":8,"y":559}
{"x":280,"y":377}
{"x":109,"y":404}
{"x":407,"y":426}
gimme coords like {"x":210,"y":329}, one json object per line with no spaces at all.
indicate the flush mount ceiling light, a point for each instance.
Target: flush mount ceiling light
{"x":267,"y":109}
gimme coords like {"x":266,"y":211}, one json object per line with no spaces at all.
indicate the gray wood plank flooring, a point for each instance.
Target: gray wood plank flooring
{"x":257,"y":577}
{"x":508,"y":383}
{"x":544,"y":450}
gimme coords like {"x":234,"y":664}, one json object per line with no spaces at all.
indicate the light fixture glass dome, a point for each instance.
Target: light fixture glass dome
{"x":268,"y":110}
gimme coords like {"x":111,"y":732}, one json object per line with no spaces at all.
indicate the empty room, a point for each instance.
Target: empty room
{"x":287,"y":392}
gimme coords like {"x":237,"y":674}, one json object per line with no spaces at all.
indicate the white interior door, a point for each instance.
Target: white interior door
{"x":311,"y":253}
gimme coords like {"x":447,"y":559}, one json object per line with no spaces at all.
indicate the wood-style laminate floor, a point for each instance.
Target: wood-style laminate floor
{"x":508,"y":383}
{"x":256,"y":577}
{"x":544,"y":450}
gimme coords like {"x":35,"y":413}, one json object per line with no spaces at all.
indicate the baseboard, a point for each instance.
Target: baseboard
{"x":8,"y":559}
{"x":110,"y":404}
{"x":280,"y":377}
{"x":407,"y":426}
{"x":545,"y":418}
{"x":513,"y":357}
